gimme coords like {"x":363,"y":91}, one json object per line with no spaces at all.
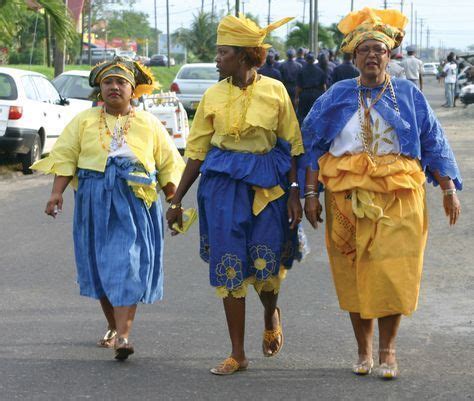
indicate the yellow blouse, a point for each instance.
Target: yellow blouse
{"x":79,"y":146}
{"x":270,"y":115}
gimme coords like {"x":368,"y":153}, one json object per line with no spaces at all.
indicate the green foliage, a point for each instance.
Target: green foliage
{"x":299,"y":36}
{"x":336,"y":35}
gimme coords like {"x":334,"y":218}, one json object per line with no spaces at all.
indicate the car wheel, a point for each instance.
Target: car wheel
{"x":32,"y":156}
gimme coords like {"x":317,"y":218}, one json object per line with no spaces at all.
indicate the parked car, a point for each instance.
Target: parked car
{"x":170,"y":111}
{"x":98,"y":55}
{"x":430,"y":68}
{"x":158,"y":60}
{"x":467,"y":94}
{"x":32,"y":115}
{"x":191,"y":82}
{"x":126,"y":53}
{"x":74,"y":86}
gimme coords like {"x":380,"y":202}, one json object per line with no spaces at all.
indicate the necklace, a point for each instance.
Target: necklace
{"x":364,"y":110}
{"x":236,"y":127}
{"x":119,"y":132}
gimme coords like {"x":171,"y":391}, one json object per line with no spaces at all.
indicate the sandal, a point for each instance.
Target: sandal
{"x":385,"y":370}
{"x":270,"y":336}
{"x":108,"y":340}
{"x":123,"y":349}
{"x":363,"y":368}
{"x":228,"y":367}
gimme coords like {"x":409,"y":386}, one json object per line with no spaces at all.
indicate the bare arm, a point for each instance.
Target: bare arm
{"x":451,"y":204}
{"x":56,"y":199}
{"x":295,"y":211}
{"x":312,"y":206}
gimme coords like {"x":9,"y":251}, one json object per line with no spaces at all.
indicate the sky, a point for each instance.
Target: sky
{"x":450,"y":23}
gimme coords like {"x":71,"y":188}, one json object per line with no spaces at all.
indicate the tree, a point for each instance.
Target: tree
{"x":337,"y":35}
{"x":299,"y":36}
{"x":200,"y":38}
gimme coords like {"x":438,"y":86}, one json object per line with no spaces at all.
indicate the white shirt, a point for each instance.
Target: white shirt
{"x":349,"y":140}
{"x":413,"y":67}
{"x":395,"y":69}
{"x":451,"y":70}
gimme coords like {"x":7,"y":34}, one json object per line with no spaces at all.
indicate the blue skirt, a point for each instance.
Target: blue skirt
{"x":118,"y":241}
{"x":242,"y":248}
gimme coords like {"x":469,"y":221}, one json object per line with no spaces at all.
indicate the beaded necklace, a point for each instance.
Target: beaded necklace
{"x":119,"y":132}
{"x":236,"y":127}
{"x":363,"y":111}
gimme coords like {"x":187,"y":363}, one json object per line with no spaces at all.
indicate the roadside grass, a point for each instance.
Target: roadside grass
{"x":164,"y":75}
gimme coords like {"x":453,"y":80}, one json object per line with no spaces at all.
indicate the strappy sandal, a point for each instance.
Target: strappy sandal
{"x":387,"y":371}
{"x":270,"y":336}
{"x":363,"y":368}
{"x":108,"y":340}
{"x":228,"y":367}
{"x":123,"y":349}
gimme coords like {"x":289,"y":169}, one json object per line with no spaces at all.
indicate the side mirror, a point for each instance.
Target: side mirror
{"x":64,"y":101}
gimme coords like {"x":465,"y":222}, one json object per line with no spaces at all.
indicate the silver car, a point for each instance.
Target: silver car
{"x":192,"y":81}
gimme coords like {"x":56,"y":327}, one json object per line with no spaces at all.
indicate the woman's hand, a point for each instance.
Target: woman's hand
{"x":313,"y":210}
{"x":174,"y":216}
{"x":452,"y":208}
{"x":295,"y":211}
{"x":54,"y":205}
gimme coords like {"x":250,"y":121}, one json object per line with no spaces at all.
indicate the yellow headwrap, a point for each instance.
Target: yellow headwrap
{"x":386,"y":26}
{"x":243,"y":32}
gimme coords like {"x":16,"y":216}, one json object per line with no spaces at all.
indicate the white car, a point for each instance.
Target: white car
{"x":191,"y":82}
{"x":32,"y":115}
{"x":74,"y":86}
{"x":430,"y":68}
{"x":170,"y":111}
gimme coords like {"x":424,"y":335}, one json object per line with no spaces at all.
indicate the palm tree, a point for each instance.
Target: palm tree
{"x":299,"y":36}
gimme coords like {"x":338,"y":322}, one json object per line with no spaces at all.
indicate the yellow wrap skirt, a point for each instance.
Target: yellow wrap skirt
{"x":376,"y":231}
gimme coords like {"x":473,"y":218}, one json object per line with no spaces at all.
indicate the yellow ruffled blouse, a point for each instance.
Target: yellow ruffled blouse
{"x":79,"y":146}
{"x":270,"y":115}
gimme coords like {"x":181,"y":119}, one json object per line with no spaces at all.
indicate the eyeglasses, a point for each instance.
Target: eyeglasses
{"x":365,"y":50}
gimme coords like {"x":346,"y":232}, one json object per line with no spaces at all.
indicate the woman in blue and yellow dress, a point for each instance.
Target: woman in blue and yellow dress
{"x":244,"y":140}
{"x":373,"y":141}
{"x":116,"y":158}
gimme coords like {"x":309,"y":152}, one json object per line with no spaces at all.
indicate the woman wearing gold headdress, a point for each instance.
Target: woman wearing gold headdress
{"x":244,"y":140}
{"x":374,"y":141}
{"x":116,"y":158}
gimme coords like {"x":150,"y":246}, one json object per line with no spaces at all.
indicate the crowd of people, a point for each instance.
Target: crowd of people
{"x":260,"y":141}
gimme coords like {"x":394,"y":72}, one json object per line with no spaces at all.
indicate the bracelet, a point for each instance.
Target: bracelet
{"x":310,"y":193}
{"x":310,"y":186}
{"x":294,"y":184}
{"x":315,"y":195}
{"x":174,"y":206}
{"x":448,"y":192}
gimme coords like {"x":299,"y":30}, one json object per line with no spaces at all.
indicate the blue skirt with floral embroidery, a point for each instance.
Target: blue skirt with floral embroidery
{"x":237,"y":244}
{"x":118,"y":241}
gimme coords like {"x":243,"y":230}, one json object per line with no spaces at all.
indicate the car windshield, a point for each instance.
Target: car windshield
{"x":7,"y":88}
{"x":75,"y":87}
{"x":206,"y":73}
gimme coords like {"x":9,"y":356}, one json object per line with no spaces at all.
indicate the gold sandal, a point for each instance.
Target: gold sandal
{"x":108,"y":340}
{"x":228,"y":367}
{"x":385,"y":370}
{"x":363,"y":368}
{"x":270,"y":336}
{"x":123,"y":349}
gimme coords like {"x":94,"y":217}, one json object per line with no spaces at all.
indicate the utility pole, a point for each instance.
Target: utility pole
{"x":428,"y":39}
{"x":421,"y":36}
{"x":304,"y":10}
{"x":243,"y":7}
{"x":89,"y":27}
{"x":157,"y":34}
{"x":269,"y":11}
{"x":310,"y":39}
{"x":168,"y":30}
{"x":416,"y":30}
{"x":352,"y":5}
{"x":202,"y":6}
{"x":212,"y":10}
{"x":401,"y":5}
{"x":411,"y":22}
{"x":315,"y":30}
{"x":385,"y":4}
{"x":237,"y":8}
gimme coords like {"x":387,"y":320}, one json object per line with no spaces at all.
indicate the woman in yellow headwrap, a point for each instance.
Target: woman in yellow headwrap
{"x":373,"y":141}
{"x":244,"y":140}
{"x":116,"y":158}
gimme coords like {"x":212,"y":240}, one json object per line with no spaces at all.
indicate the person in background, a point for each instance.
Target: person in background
{"x":278,"y":61}
{"x":413,"y":67}
{"x":333,"y":58}
{"x":345,"y":70}
{"x":373,"y":142}
{"x":116,"y":158}
{"x":323,"y":63}
{"x":269,"y":69}
{"x":394,"y":68}
{"x":289,"y":73}
{"x":310,"y":85}
{"x":450,"y":71}
{"x":300,"y":56}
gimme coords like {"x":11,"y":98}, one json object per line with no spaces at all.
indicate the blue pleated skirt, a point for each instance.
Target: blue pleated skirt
{"x":237,"y":244}
{"x":118,"y":241}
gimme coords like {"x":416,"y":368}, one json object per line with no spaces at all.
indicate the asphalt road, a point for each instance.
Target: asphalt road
{"x":48,"y":332}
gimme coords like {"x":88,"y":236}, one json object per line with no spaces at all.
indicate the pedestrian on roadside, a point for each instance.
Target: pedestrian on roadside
{"x":413,"y":67}
{"x":115,"y":157}
{"x":345,"y":70}
{"x":450,"y":72}
{"x":243,"y":142}
{"x":394,"y":69}
{"x":372,"y":142}
{"x":289,"y":72}
{"x":269,"y":69}
{"x":310,"y":85}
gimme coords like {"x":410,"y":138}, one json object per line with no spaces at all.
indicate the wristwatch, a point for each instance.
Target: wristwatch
{"x":174,"y":206}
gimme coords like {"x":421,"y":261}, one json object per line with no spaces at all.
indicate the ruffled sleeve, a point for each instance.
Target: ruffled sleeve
{"x":288,"y":127}
{"x":169,"y":163}
{"x":199,"y":140}
{"x":436,"y":153}
{"x":64,"y":156}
